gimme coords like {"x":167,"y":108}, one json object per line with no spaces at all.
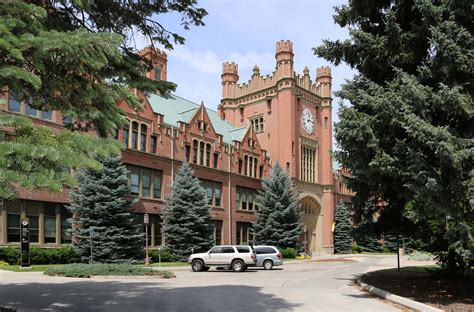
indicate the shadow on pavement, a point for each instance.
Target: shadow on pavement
{"x":132,"y":296}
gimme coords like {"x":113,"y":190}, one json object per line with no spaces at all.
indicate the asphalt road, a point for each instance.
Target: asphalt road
{"x":309,"y":286}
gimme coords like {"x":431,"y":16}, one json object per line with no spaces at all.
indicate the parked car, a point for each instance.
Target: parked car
{"x":237,"y":258}
{"x":268,"y":257}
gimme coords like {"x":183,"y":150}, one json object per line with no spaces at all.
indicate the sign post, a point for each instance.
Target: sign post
{"x":25,"y":242}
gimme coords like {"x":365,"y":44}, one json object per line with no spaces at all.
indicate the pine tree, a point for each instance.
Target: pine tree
{"x":278,"y":222}
{"x":343,"y":229}
{"x":407,"y":136}
{"x":187,"y":218}
{"x":84,"y":66}
{"x":99,"y":208}
{"x":36,"y":157}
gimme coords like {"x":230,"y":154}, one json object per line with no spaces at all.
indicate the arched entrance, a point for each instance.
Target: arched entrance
{"x":311,"y":237}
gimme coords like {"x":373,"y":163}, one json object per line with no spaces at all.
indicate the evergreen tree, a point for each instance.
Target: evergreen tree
{"x":407,"y":137}
{"x":187,"y":217}
{"x":343,"y":229}
{"x":99,"y":208}
{"x":77,"y":57}
{"x":278,"y":222}
{"x":36,"y":157}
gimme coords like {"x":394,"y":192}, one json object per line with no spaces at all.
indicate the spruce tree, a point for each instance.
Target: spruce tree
{"x":407,"y":136}
{"x":187,"y":218}
{"x":99,"y":208}
{"x":38,"y":157}
{"x":278,"y":222}
{"x":343,"y":229}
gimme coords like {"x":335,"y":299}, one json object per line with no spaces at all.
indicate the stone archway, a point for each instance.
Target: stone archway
{"x":310,"y":206}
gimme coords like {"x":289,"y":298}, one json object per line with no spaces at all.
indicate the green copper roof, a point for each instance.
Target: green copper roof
{"x":176,"y":109}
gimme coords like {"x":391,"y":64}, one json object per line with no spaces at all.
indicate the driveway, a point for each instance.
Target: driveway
{"x":297,"y":286}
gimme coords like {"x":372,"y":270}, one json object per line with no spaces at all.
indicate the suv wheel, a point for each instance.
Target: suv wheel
{"x":238,"y":266}
{"x":268,"y":264}
{"x":197,"y":265}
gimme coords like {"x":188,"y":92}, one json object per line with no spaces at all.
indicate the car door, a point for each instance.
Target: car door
{"x":228,"y":254}
{"x":215,"y":255}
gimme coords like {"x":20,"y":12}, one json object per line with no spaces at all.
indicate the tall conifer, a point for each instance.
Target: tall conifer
{"x":187,"y":218}
{"x":100,"y":211}
{"x":278,"y":222}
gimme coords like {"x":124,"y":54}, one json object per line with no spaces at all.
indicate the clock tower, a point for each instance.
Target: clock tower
{"x":291,"y":115}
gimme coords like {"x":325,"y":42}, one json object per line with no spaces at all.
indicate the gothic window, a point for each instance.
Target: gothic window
{"x":308,"y":164}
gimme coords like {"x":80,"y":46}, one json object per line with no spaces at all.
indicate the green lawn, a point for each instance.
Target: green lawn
{"x":170,"y":264}
{"x":34,"y":268}
{"x":42,"y":267}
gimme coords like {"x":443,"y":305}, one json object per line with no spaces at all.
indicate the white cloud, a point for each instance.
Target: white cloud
{"x":210,"y":62}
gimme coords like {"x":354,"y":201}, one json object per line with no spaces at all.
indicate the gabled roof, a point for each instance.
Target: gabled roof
{"x":176,"y":109}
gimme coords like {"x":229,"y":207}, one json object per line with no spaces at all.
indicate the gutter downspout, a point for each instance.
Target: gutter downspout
{"x":229,"y":197}
{"x":172,"y":155}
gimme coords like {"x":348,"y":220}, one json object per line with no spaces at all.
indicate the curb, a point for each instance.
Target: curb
{"x":412,"y":304}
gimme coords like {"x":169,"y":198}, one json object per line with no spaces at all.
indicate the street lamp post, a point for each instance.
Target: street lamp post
{"x":305,"y":243}
{"x":146,"y":221}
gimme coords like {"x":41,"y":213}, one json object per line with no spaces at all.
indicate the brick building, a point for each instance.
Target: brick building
{"x":282,"y":117}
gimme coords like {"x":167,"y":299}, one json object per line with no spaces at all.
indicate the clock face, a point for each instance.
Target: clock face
{"x":307,"y":121}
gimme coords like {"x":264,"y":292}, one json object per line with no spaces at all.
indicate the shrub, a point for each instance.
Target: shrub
{"x":88,"y":270}
{"x":3,"y":263}
{"x":356,"y":249}
{"x":289,"y":253}
{"x":10,"y":254}
{"x":59,"y":255}
{"x":166,"y":255}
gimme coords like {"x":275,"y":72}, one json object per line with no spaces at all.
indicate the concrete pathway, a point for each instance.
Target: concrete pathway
{"x":297,"y":286}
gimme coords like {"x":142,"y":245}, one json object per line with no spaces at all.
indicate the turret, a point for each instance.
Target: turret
{"x":324,"y":78}
{"x":230,"y":77}
{"x":159,"y":60}
{"x":284,"y":59}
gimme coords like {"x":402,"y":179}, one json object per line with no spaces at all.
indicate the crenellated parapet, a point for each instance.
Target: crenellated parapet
{"x":283,"y":70}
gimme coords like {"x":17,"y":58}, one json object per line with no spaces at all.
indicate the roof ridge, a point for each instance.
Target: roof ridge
{"x":236,"y":129}
{"x":188,"y":110}
{"x":207,"y":108}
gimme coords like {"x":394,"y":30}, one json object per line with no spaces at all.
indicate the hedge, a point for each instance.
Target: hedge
{"x":38,"y":255}
{"x":118,"y":269}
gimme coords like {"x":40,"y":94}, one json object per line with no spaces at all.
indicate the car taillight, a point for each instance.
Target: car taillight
{"x":279,"y":256}
{"x":254,"y":257}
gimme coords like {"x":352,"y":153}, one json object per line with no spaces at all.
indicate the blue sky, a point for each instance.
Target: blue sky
{"x":245,"y":31}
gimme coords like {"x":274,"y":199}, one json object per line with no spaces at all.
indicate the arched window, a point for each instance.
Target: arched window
{"x":134,"y":140}
{"x":143,"y":130}
{"x":125,"y":134}
{"x":208,"y":154}
{"x":201,"y":153}
{"x":195,"y":151}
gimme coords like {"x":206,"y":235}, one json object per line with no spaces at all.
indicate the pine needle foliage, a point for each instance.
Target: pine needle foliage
{"x":342,"y":229}
{"x":187,"y":217}
{"x":76,"y":57}
{"x":35,"y":157}
{"x":101,"y":211}
{"x":407,"y":136}
{"x":278,"y":220}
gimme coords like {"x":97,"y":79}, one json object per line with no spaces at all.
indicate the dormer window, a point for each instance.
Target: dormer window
{"x":251,"y":143}
{"x":202,"y":125}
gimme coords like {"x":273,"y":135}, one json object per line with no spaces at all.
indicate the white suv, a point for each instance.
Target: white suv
{"x":238,"y":258}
